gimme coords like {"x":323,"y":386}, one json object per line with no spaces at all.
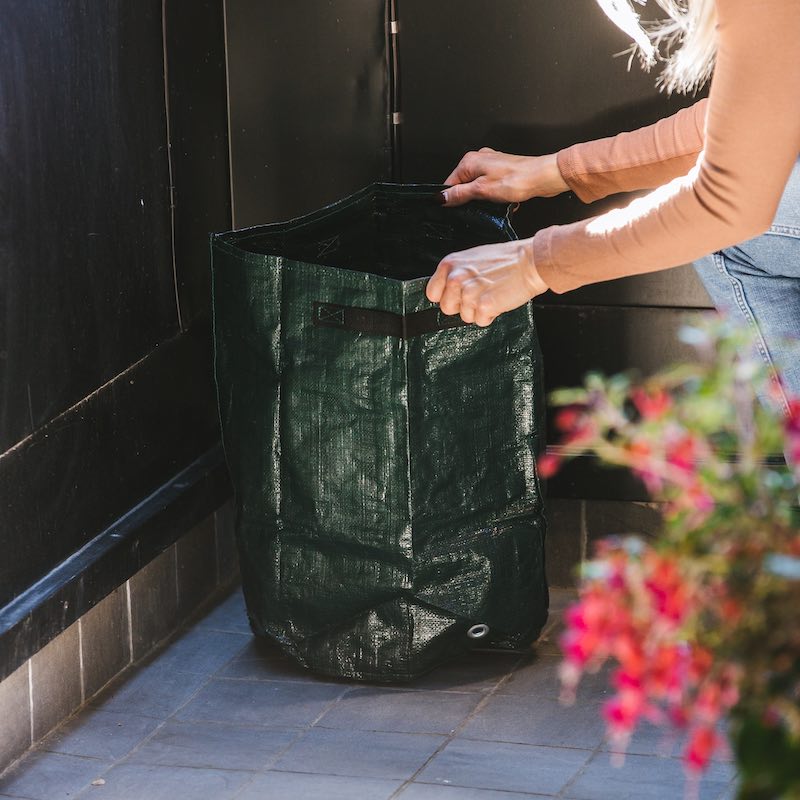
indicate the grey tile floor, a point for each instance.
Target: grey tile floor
{"x":217,"y":715}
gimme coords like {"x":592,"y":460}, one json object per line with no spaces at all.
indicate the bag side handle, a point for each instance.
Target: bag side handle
{"x":383,"y":323}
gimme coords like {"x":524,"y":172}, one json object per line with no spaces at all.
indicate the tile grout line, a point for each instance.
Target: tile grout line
{"x":571,"y":782}
{"x":30,"y":698}
{"x":129,"y":615}
{"x":300,"y":734}
{"x":158,"y":646}
{"x":81,"y":671}
{"x":146,"y":739}
{"x":177,"y":583}
{"x":36,"y":746}
{"x":482,"y":703}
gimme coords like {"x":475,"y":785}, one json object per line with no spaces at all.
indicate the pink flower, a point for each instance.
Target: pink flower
{"x":624,"y":711}
{"x":792,"y":429}
{"x":569,"y":417}
{"x":683,"y":452}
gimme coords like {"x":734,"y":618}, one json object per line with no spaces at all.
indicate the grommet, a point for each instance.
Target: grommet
{"x":478,"y":631}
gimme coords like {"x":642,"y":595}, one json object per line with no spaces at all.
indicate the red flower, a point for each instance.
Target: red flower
{"x":793,"y":417}
{"x":702,"y":744}
{"x":569,"y":417}
{"x":549,"y":464}
{"x":652,"y":404}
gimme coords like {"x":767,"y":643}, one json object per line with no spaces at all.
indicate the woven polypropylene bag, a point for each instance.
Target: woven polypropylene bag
{"x":389,"y":512}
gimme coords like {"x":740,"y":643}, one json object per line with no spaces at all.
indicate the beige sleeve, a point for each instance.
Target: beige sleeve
{"x":641,"y":159}
{"x":752,"y":142}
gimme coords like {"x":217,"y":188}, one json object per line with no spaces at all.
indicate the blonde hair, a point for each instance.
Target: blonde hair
{"x":686,"y":42}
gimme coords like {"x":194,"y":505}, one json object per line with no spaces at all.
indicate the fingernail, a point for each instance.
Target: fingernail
{"x":442,"y":197}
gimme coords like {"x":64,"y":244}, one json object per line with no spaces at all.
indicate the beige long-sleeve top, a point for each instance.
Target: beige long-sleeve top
{"x":721,"y":165}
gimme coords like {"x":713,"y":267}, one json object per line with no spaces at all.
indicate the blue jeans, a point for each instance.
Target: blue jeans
{"x":758,"y":282}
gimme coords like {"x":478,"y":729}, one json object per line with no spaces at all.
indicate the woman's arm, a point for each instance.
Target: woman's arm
{"x":731,"y":195}
{"x":642,"y":159}
{"x":752,"y":142}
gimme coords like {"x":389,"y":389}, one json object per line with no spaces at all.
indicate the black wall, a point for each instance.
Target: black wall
{"x":114,"y":159}
{"x":309,"y":102}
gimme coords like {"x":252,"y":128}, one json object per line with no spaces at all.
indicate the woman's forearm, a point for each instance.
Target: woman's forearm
{"x":640,"y":159}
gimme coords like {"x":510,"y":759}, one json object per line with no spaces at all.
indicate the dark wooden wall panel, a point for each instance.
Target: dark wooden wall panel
{"x":308,"y":104}
{"x":84,"y":188}
{"x":79,"y":473}
{"x":638,"y":339}
{"x":114,"y":396}
{"x":198,"y":117}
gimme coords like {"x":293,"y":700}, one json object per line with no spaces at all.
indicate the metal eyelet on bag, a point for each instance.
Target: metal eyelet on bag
{"x":478,"y":631}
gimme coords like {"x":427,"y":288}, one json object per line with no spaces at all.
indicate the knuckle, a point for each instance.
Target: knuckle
{"x":444,"y":265}
{"x":484,"y":306}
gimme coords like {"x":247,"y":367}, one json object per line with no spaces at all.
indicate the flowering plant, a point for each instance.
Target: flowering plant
{"x":705,"y":622}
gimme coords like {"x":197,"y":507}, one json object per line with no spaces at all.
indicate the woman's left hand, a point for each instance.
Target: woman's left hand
{"x":485,"y":281}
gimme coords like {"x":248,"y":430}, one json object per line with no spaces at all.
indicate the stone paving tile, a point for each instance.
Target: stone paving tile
{"x":100,"y":734}
{"x":229,"y":615}
{"x":652,"y":740}
{"x":208,"y":744}
{"x":360,"y":754}
{"x":537,"y":720}
{"x":148,"y":782}
{"x":538,"y":677}
{"x":202,"y":650}
{"x":504,"y":767}
{"x":149,"y":691}
{"x":400,"y":711}
{"x":262,"y":660}
{"x":284,"y":785}
{"x":51,"y":776}
{"x":479,"y":671}
{"x":273,"y":704}
{"x":644,"y":778}
{"x":429,"y":791}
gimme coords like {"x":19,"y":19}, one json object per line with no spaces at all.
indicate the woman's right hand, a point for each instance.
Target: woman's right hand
{"x":504,"y":178}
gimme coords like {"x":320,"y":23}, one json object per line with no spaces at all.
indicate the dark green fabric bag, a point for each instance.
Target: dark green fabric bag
{"x":389,"y":513}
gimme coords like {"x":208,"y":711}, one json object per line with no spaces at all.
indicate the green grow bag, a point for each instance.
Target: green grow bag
{"x":389,"y":512}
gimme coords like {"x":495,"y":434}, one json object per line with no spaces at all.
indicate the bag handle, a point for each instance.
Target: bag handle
{"x":383,"y":323}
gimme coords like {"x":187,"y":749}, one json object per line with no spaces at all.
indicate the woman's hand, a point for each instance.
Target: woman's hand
{"x":504,"y":178}
{"x":485,"y":281}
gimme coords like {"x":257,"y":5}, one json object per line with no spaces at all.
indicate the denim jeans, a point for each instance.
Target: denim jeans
{"x":758,"y":282}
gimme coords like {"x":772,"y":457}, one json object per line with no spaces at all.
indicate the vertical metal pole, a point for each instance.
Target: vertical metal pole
{"x":395,"y":108}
